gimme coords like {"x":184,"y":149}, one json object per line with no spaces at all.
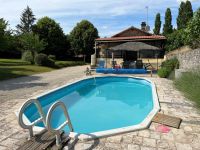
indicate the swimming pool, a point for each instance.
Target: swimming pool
{"x":102,"y":106}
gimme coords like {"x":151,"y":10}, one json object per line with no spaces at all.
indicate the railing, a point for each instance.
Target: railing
{"x":45,"y":120}
{"x":57,"y":130}
{"x":30,"y":126}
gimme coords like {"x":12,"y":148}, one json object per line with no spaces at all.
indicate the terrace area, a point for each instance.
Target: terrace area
{"x":16,"y":91}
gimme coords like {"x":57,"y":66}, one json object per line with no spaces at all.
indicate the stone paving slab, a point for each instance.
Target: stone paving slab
{"x":14,"y":92}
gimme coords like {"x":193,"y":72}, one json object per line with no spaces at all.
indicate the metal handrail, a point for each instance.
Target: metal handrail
{"x":57,"y":130}
{"x":30,"y":126}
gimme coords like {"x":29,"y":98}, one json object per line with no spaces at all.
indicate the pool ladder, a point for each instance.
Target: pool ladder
{"x":45,"y":119}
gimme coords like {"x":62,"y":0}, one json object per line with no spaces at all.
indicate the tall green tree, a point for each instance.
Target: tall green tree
{"x":51,"y":32}
{"x":181,"y":17}
{"x":184,"y":15}
{"x":193,"y":31}
{"x":27,"y":21}
{"x":188,"y":11}
{"x":156,"y":30}
{"x":8,"y":41}
{"x":31,"y":42}
{"x":168,"y":28}
{"x":3,"y":34}
{"x":82,"y":38}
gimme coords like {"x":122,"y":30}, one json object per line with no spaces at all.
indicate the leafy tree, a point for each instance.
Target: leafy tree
{"x":27,"y":21}
{"x":168,"y":28}
{"x":181,"y":17}
{"x":175,"y":40}
{"x":185,"y":14}
{"x":53,"y":35}
{"x":31,"y":42}
{"x":157,"y":24}
{"x":3,"y":34}
{"x":193,"y":31}
{"x":8,"y":41}
{"x":82,"y":38}
{"x":188,"y":11}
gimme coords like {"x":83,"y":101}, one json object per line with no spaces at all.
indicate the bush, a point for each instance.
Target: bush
{"x":193,"y":31}
{"x":167,"y":67}
{"x":189,"y":84}
{"x":163,"y":72}
{"x":171,"y":63}
{"x":27,"y":56}
{"x":52,"y":57}
{"x":43,"y":60}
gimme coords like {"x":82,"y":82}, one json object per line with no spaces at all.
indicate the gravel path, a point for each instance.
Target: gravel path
{"x":25,"y":87}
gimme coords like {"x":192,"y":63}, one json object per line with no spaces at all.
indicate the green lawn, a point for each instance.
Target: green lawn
{"x":189,"y":85}
{"x":13,"y":68}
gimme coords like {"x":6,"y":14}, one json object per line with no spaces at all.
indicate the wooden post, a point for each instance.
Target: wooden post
{"x":106,"y":57}
{"x":113,"y":59}
{"x":95,"y":53}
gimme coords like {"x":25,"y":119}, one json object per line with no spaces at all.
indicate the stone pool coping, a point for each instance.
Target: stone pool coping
{"x":144,"y":124}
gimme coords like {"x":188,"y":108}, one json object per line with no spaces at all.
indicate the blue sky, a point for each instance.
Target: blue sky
{"x":108,"y":16}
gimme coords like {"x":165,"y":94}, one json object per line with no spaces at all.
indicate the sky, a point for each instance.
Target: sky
{"x":108,"y":16}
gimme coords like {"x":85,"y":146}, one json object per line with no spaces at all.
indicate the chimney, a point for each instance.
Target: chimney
{"x":143,"y":26}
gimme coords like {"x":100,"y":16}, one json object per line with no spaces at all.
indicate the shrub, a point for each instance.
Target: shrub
{"x":167,"y":67}
{"x":27,"y":56}
{"x":52,"y":57}
{"x":43,"y":60}
{"x":171,"y":63}
{"x":163,"y":72}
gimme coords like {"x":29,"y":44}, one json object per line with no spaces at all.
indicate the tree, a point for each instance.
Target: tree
{"x":31,"y":42}
{"x":53,"y":35}
{"x":185,"y":14}
{"x":181,"y":17}
{"x":175,"y":40}
{"x":157,"y":24}
{"x":82,"y":38}
{"x":193,"y":31}
{"x":3,"y":34}
{"x":168,"y":28}
{"x":188,"y":11}
{"x":27,"y":21}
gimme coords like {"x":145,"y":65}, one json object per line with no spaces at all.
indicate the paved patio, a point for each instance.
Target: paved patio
{"x":14,"y":92}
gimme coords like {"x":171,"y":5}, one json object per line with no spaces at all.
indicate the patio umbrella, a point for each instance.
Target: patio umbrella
{"x":133,"y":46}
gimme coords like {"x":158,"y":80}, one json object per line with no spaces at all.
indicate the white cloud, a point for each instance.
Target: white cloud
{"x":68,"y":12}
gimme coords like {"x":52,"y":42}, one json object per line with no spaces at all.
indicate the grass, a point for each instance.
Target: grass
{"x":13,"y":68}
{"x":189,"y":85}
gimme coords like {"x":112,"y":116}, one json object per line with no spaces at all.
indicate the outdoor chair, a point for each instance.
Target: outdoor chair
{"x":139,"y":64}
{"x":126,"y":65}
{"x":132,"y":65}
{"x":101,"y":64}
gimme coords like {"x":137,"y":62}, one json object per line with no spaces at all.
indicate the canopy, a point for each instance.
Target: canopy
{"x":133,"y":46}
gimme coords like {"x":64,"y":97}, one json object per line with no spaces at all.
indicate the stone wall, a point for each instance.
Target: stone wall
{"x":188,"y":59}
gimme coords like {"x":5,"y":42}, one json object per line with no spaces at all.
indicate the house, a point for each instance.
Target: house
{"x":129,"y":45}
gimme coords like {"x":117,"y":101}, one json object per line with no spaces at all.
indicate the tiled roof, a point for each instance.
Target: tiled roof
{"x":133,"y":28}
{"x":158,"y":37}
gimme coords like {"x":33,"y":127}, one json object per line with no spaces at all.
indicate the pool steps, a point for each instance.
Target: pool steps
{"x":45,"y":120}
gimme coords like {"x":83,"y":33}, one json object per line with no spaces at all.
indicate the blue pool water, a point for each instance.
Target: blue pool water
{"x":108,"y":103}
